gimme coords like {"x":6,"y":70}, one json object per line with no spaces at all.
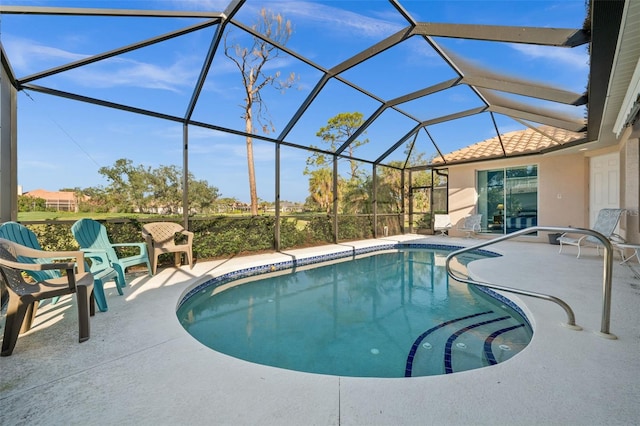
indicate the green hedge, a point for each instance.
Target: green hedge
{"x":55,"y":236}
{"x":224,"y":236}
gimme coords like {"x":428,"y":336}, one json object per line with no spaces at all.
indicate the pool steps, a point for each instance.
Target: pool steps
{"x":470,"y":342}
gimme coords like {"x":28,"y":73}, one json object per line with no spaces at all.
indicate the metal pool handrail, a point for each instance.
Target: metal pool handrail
{"x":571,"y":323}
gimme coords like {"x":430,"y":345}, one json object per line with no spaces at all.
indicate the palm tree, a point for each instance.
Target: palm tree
{"x":321,"y":187}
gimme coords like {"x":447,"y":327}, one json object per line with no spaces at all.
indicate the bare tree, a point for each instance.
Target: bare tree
{"x":251,"y":62}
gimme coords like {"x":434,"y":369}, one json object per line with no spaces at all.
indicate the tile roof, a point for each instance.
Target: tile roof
{"x":52,"y":195}
{"x":516,"y":143}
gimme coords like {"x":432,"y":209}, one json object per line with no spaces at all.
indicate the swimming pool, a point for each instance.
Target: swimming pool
{"x":389,"y":314}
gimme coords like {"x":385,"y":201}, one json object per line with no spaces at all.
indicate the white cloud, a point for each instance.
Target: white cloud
{"x":131,"y":73}
{"x":339,"y":19}
{"x":27,"y":55}
{"x":576,"y":58}
{"x":328,"y":16}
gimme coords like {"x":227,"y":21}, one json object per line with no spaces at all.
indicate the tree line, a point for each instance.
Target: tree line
{"x":138,"y":189}
{"x":135,"y":188}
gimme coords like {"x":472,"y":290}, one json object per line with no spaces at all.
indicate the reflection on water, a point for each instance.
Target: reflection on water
{"x":353,"y":318}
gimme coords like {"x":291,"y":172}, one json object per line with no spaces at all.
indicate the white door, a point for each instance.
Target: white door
{"x":604,"y":184}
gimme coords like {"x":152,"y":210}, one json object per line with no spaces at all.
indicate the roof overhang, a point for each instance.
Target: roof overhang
{"x":614,"y":59}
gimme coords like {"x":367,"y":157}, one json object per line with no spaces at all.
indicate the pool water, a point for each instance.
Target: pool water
{"x":392,"y":314}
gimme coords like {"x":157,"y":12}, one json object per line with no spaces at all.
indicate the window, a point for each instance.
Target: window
{"x":508,"y":199}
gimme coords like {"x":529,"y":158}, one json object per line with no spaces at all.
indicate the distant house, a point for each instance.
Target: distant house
{"x":289,"y":207}
{"x":286,"y":207}
{"x":59,"y":200}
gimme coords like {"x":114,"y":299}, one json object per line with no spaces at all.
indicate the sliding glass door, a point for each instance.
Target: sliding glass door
{"x":508,"y":199}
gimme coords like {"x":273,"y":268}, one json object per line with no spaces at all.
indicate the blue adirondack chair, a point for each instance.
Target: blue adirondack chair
{"x":92,"y":236}
{"x":100,"y":268}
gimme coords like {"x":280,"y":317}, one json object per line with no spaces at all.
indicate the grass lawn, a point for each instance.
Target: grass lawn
{"x":60,"y":215}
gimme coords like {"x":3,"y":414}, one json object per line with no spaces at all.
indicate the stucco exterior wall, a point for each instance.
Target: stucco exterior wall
{"x":630,"y":184}
{"x":563,"y":190}
{"x":629,"y":152}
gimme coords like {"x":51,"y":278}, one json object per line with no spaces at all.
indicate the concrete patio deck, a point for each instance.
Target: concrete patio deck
{"x":141,"y":367}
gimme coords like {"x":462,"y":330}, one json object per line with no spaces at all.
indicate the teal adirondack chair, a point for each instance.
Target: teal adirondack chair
{"x":92,"y":236}
{"x":100,"y":269}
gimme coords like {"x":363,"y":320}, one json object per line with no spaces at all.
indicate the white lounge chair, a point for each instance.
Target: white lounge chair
{"x":606,"y":223}
{"x":471,"y":225}
{"x":625,"y":259}
{"x":442,"y":223}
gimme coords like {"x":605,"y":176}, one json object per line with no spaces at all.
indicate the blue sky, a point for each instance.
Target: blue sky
{"x":63,"y":143}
